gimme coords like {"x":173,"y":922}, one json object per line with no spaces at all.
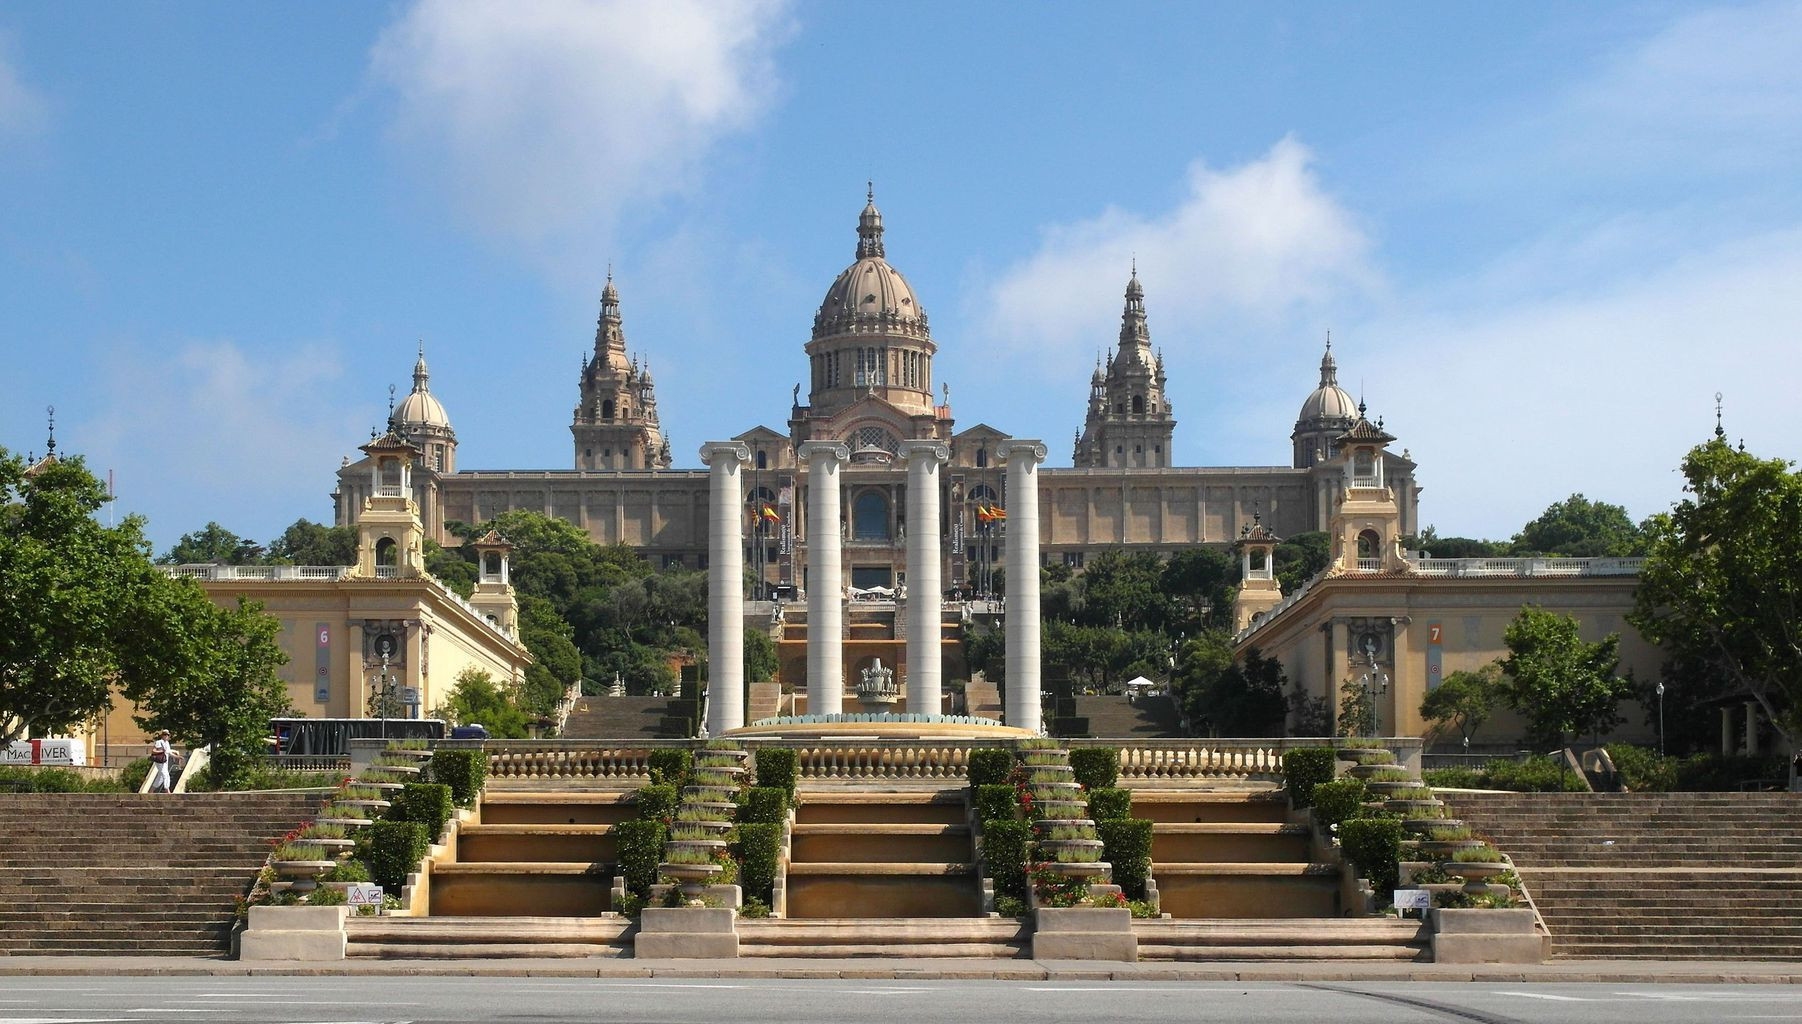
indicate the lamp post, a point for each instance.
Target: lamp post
{"x":1661,"y":718}
{"x":1375,"y":681}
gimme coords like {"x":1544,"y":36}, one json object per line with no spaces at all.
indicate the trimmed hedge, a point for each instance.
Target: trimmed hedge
{"x":656,"y":803}
{"x":1126,"y":844}
{"x":763,"y":805}
{"x":1096,"y":767}
{"x":639,"y":846}
{"x":1540,"y":774}
{"x":428,"y":803}
{"x":669,"y":766}
{"x":990,"y":767}
{"x":1305,"y":768}
{"x":464,"y":771}
{"x":1338,"y":800}
{"x":995,"y":803}
{"x":759,"y":851}
{"x":1375,"y":846}
{"x":392,"y":849}
{"x":778,"y":768}
{"x":1004,"y":846}
{"x":1110,"y":804}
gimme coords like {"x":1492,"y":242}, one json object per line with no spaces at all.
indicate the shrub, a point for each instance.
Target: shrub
{"x":1096,"y":767}
{"x":1338,"y":800}
{"x":990,"y":767}
{"x":1389,"y":775}
{"x":392,"y":849}
{"x":1643,"y":770}
{"x":1375,"y":846}
{"x":1004,"y":844}
{"x":347,"y":871}
{"x":1708,"y":773}
{"x":1534,"y":775}
{"x":759,"y":850}
{"x":326,"y":896}
{"x":995,"y":803}
{"x":640,"y":848}
{"x":1305,"y":768}
{"x":655,"y":802}
{"x":778,"y":768}
{"x":1477,"y":855}
{"x":764,"y":805}
{"x":1454,"y":778}
{"x":428,"y":803}
{"x":1110,"y":804}
{"x":1127,"y":843}
{"x":464,"y":771}
{"x":669,"y":766}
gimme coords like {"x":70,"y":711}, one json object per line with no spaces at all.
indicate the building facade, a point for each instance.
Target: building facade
{"x":871,"y":386}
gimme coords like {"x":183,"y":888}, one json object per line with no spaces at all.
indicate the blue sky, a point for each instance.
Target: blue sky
{"x":1543,"y":235}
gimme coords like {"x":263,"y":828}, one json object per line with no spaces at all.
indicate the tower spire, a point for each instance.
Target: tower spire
{"x":420,"y":373}
{"x":1718,"y":432}
{"x":1329,"y":367}
{"x":50,"y":446}
{"x":869,"y":226}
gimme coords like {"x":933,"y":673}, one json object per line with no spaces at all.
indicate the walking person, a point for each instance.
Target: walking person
{"x":160,"y":754}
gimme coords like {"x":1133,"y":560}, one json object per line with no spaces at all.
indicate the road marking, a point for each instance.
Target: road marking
{"x":59,"y":1020}
{"x":1547,"y":995}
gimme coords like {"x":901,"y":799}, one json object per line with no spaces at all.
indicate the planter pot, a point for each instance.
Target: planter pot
{"x":1365,"y":756}
{"x":346,"y":822}
{"x":735,"y":768}
{"x":1073,"y":870}
{"x":399,"y":769}
{"x":1049,"y":823}
{"x":302,"y":868}
{"x":724,"y":808}
{"x":691,"y":872}
{"x":1056,"y":849}
{"x":711,"y":826}
{"x":708,"y":794}
{"x":1475,"y":869}
{"x":708,"y":846}
{"x":1365,"y":771}
{"x":1442,"y":849}
{"x":334,"y":844}
{"x":1420,"y":825}
{"x":386,"y":787}
{"x":1383,"y":789}
{"x":1414,"y":808}
{"x":1054,"y":769}
{"x":372,"y":805}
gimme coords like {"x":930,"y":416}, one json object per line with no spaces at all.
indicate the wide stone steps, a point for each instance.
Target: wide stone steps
{"x":1281,"y":939}
{"x":487,"y":937}
{"x":893,"y":937}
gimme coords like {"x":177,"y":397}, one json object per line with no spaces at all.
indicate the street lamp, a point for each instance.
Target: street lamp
{"x":1660,"y":718}
{"x":1375,"y":682}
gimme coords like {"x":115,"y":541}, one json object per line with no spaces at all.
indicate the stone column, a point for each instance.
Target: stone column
{"x":1022,"y":459}
{"x":725,"y":584}
{"x":825,"y":577}
{"x":925,"y":588}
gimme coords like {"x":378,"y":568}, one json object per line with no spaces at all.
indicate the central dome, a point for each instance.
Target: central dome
{"x":869,"y":296}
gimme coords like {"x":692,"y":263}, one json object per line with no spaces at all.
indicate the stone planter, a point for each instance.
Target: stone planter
{"x":343,"y":845}
{"x":709,"y":795}
{"x":1048,"y":823}
{"x":1084,"y":933}
{"x":346,"y":822}
{"x":1086,"y":869}
{"x":691,"y":873}
{"x":1383,"y":789}
{"x":1056,"y":849}
{"x":708,"y":846}
{"x":1442,"y":849}
{"x":726,"y":809}
{"x":302,"y":868}
{"x":1365,"y":756}
{"x":720,"y":827}
{"x":368,"y":805}
{"x":1475,"y":869}
{"x":1414,"y":808}
{"x":399,"y":769}
{"x":1061,"y":810}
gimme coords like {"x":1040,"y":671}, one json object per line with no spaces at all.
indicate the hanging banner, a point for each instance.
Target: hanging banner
{"x":1435,"y":647}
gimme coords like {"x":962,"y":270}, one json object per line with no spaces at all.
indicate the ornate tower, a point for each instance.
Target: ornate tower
{"x":421,"y":419}
{"x":1327,"y":413}
{"x":493,"y":595}
{"x":1367,"y":521}
{"x":390,"y":538}
{"x":1259,"y":590}
{"x":1130,"y":422}
{"x":615,"y":423}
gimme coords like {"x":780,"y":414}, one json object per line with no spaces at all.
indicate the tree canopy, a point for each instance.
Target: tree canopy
{"x":214,"y":544}
{"x":1561,"y":684}
{"x":1464,"y":700}
{"x":1579,"y":528}
{"x":1721,"y":590}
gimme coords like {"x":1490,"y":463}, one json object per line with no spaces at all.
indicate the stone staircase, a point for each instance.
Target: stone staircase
{"x":126,"y":875}
{"x":1367,"y":938}
{"x":1669,"y":876}
{"x":462,"y":938}
{"x":890,"y":854}
{"x":1234,"y":854}
{"x":977,"y":937}
{"x":618,"y":718}
{"x":1112,"y":717}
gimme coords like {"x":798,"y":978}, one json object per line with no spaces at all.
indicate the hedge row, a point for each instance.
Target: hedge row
{"x":778,"y":768}
{"x":1110,"y":804}
{"x":639,"y":847}
{"x":1126,"y":844}
{"x":1305,"y":768}
{"x":990,"y":767}
{"x":1096,"y":767}
{"x":759,"y":850}
{"x":763,"y":805}
{"x":464,"y":771}
{"x":428,"y":803}
{"x":1004,"y":847}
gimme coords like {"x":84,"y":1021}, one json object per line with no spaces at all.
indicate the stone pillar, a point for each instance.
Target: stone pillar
{"x":825,"y":578}
{"x":1022,"y":459}
{"x":725,"y":584}
{"x":925,"y":588}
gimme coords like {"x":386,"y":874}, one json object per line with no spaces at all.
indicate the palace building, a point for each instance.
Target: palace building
{"x":871,"y":386}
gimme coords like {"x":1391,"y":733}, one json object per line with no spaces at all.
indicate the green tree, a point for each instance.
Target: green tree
{"x":1123,"y":590}
{"x":71,"y":592}
{"x":1579,"y":528}
{"x":761,"y":662}
{"x":476,"y":700}
{"x":1721,"y":590}
{"x":1561,"y":684}
{"x":208,"y":675}
{"x":1301,"y":558}
{"x":310,"y":543}
{"x":1198,"y":586}
{"x":213,"y":544}
{"x":1227,"y":698}
{"x":1464,"y":700}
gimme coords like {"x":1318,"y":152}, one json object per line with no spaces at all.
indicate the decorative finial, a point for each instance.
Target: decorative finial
{"x":1718,"y":432}
{"x":391,"y":403}
{"x":50,"y":446}
{"x":869,"y":190}
{"x":1329,"y":339}
{"x":422,"y":348}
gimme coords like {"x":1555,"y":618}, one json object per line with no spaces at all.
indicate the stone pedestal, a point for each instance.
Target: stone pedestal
{"x":686,"y":933}
{"x":1084,"y":933}
{"x":1486,"y":937}
{"x":294,"y":933}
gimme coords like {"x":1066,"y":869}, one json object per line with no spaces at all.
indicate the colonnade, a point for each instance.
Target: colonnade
{"x":824,"y":462}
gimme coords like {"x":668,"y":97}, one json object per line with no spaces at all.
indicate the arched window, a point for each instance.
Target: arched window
{"x":386,"y":551}
{"x":607,"y":409}
{"x":1369,"y":544}
{"x":1138,"y":403}
{"x":869,"y":516}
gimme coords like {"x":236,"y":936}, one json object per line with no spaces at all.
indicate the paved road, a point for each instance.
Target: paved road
{"x":342,"y":1000}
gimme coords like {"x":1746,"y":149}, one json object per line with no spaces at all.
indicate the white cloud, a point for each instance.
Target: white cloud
{"x":1510,"y":407}
{"x":23,"y":109}
{"x":250,"y":436}
{"x":1259,"y":241}
{"x":549,"y":120}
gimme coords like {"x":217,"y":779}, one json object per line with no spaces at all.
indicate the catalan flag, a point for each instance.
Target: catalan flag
{"x":997,"y":512}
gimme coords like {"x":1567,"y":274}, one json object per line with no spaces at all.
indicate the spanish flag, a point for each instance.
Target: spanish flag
{"x":768,"y":514}
{"x":983,"y":514}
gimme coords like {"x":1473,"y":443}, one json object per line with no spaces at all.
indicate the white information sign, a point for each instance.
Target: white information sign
{"x":1413,"y":899}
{"x":364,"y":894}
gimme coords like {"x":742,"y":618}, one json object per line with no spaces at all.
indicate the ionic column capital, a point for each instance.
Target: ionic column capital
{"x":711,"y":450}
{"x":926,"y":448}
{"x":1022,"y":449}
{"x":837,"y":450}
